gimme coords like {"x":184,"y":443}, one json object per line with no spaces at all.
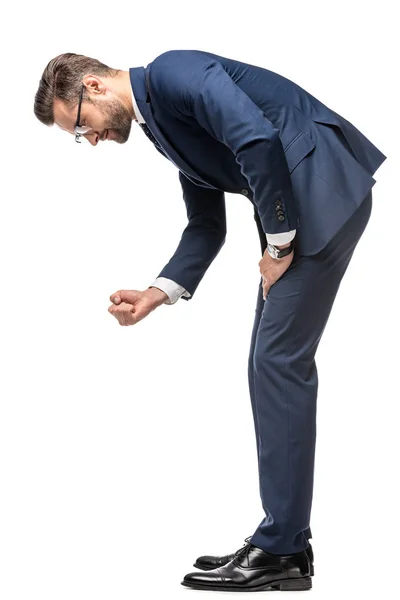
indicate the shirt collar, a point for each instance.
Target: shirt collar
{"x":136,"y":109}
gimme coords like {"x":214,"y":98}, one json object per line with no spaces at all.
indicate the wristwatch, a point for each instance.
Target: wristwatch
{"x":279,"y":252}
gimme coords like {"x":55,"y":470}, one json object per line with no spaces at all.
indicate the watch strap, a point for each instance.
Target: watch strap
{"x":281,"y":252}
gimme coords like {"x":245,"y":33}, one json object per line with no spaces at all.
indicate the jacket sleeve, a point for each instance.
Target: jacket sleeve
{"x":202,"y":238}
{"x":201,"y":88}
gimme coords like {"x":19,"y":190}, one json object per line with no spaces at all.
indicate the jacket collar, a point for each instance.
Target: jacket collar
{"x":142,"y":96}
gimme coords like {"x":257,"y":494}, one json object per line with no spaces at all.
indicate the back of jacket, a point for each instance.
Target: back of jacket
{"x":327,"y":160}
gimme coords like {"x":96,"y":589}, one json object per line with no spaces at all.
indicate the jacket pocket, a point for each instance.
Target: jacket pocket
{"x":298,"y":149}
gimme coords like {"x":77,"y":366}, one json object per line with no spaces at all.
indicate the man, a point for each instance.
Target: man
{"x":233,"y":127}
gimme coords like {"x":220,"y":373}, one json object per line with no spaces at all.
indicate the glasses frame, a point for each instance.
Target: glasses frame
{"x":78,"y":118}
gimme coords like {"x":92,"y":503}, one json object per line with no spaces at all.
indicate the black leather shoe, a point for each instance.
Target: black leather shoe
{"x":252,"y":569}
{"x":206,"y":563}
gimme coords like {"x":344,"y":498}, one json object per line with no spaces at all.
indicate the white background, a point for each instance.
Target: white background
{"x":126,"y":452}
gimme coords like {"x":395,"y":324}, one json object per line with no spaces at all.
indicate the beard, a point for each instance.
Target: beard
{"x":118,"y":121}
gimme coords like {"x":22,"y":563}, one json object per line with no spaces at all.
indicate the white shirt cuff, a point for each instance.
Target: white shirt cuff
{"x":281,"y":238}
{"x":173,"y":290}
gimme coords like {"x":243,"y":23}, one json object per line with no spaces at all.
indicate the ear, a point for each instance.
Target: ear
{"x":94,"y":85}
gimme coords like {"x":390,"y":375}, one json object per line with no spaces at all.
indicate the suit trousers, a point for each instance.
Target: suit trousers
{"x":283,"y":383}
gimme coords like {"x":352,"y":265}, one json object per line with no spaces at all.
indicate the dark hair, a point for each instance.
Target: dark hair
{"x":62,"y":79}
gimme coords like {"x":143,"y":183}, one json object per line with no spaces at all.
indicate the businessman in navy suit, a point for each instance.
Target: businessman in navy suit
{"x":233,"y":127}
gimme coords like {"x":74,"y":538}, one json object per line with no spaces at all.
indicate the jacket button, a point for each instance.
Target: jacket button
{"x":280,"y":212}
{"x":281,"y":217}
{"x":245,"y":191}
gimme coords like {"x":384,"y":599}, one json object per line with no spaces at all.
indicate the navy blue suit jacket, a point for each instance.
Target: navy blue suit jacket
{"x":233,"y":127}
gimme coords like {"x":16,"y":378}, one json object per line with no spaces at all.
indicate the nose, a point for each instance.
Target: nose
{"x":93,"y":139}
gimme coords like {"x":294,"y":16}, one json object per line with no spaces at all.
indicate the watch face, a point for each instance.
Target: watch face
{"x":272,"y":251}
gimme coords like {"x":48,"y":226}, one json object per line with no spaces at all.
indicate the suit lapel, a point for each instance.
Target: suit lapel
{"x":142,"y":96}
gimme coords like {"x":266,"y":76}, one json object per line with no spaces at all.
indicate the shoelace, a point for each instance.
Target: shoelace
{"x":244,"y":551}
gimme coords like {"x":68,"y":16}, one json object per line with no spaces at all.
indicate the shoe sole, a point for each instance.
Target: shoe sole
{"x":203,"y":568}
{"x":285,"y":585}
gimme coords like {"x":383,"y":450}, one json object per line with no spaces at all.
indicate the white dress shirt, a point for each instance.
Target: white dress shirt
{"x":173,"y":290}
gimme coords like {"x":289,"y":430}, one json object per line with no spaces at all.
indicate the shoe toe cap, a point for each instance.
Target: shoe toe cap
{"x":205,"y":560}
{"x":202,"y":578}
{"x":212,"y":562}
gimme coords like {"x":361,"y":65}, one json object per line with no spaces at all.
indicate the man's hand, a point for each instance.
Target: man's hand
{"x":131,"y":306}
{"x":273,"y":268}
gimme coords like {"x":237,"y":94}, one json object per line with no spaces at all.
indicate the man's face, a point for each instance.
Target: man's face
{"x":106,"y":114}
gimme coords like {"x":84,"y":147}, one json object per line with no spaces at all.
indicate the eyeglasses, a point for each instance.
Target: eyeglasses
{"x":79,"y":129}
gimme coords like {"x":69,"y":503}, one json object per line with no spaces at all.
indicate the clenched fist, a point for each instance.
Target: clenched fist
{"x":131,"y":306}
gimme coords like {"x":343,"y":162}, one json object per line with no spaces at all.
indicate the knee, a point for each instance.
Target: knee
{"x":267,"y":357}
